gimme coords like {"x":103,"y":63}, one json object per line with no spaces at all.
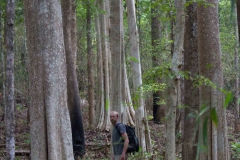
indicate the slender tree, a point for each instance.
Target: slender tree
{"x":10,"y":129}
{"x":141,"y":122}
{"x":90,"y":64}
{"x":173,"y":84}
{"x":158,"y":109}
{"x":210,"y":67}
{"x":191,"y":92}
{"x":2,"y":64}
{"x":50,"y":126}
{"x":69,"y":27}
{"x":237,"y":31}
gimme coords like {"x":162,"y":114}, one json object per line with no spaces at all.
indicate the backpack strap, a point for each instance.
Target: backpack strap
{"x":118,"y":129}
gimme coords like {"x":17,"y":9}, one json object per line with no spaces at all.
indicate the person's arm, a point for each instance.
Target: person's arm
{"x":126,"y":141}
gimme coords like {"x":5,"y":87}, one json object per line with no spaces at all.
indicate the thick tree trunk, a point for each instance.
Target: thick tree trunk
{"x":191,"y":99}
{"x":90,"y":65}
{"x":116,"y":39}
{"x":100,"y":86}
{"x":10,"y":115}
{"x":210,"y":67}
{"x":173,"y":85}
{"x":69,"y":23}
{"x":104,"y":121}
{"x":141,"y":122}
{"x":50,"y":126}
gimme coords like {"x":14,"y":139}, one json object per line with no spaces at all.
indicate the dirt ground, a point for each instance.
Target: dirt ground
{"x":96,"y":142}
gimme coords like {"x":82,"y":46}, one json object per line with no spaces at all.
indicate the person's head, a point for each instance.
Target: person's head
{"x":114,"y":117}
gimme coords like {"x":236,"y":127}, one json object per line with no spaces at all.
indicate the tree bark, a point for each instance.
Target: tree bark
{"x":100,"y":86}
{"x":210,"y":67}
{"x":90,"y":65}
{"x":191,"y":99}
{"x":141,"y":122}
{"x":69,"y":23}
{"x":10,"y":114}
{"x":116,"y":40}
{"x":50,"y":127}
{"x":104,"y":121}
{"x":173,"y":84}
{"x":158,"y":110}
{"x":237,"y":31}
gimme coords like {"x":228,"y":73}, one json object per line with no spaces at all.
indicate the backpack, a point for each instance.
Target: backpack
{"x":133,"y":145}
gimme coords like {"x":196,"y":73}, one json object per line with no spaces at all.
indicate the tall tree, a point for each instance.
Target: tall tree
{"x":141,"y":122}
{"x":104,"y":121}
{"x":50,"y":127}
{"x":9,"y":120}
{"x":2,"y":64}
{"x":210,"y":67}
{"x":90,"y":64}
{"x":100,"y":85}
{"x":237,"y":31}
{"x":158,"y":109}
{"x":191,"y":92}
{"x":69,"y":31}
{"x":116,"y":40}
{"x":173,"y":84}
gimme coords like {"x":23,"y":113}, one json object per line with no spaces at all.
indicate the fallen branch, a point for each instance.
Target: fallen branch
{"x":17,"y":152}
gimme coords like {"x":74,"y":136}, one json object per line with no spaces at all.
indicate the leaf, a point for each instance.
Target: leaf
{"x":214,"y":116}
{"x":133,"y":59}
{"x":205,"y":130}
{"x":204,"y":109}
{"x":238,"y":100}
{"x":228,"y":99}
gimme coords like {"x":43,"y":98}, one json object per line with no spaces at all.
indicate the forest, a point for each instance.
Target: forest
{"x":170,"y":68}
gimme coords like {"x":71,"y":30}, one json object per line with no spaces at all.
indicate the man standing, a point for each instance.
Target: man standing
{"x":119,"y":138}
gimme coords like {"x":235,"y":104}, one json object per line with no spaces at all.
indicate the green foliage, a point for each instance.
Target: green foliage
{"x":235,"y":149}
{"x":206,"y":113}
{"x":228,"y":98}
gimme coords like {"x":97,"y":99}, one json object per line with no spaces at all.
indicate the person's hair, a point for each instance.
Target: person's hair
{"x":114,"y":112}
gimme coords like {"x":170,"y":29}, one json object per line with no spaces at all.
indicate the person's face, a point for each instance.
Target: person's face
{"x":113,"y":118}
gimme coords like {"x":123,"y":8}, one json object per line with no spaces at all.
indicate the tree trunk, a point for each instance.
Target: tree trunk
{"x":90,"y":65}
{"x":237,"y":31}
{"x":104,"y":121}
{"x":116,"y":39}
{"x":50,"y":126}
{"x":158,"y":110}
{"x":191,"y":99}
{"x":100,"y":86}
{"x":173,"y":85}
{"x":69,"y":17}
{"x":141,"y":121}
{"x":2,"y":66}
{"x":10,"y":114}
{"x":210,"y":67}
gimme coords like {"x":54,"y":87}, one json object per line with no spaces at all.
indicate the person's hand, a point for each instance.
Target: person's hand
{"x":123,"y":156}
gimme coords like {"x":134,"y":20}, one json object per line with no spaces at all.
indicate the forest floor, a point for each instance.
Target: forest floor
{"x":97,"y":142}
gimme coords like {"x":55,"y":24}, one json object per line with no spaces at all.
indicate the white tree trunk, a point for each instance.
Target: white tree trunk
{"x":104,"y":123}
{"x":100,"y":99}
{"x":141,"y":121}
{"x":50,"y":126}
